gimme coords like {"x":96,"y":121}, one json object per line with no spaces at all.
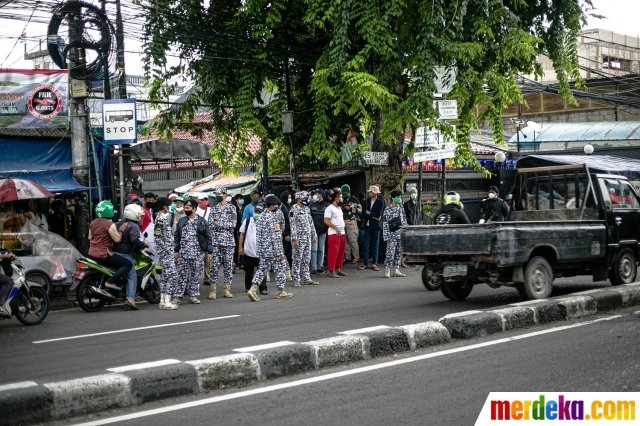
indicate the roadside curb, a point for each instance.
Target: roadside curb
{"x":29,"y":402}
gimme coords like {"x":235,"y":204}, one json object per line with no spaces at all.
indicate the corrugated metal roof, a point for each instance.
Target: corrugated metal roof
{"x":598,"y":163}
{"x":593,"y":131}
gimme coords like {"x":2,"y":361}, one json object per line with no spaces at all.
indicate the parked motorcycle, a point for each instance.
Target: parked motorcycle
{"x":28,"y":301}
{"x":90,"y":278}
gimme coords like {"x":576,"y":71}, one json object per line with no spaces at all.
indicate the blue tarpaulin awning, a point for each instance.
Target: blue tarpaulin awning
{"x":45,"y":161}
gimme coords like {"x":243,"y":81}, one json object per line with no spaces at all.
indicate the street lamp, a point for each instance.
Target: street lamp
{"x":287,"y":129}
{"x":518,"y":122}
{"x":500,"y":157}
{"x":588,"y":149}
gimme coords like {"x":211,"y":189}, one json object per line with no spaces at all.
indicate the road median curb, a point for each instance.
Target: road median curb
{"x":29,"y":402}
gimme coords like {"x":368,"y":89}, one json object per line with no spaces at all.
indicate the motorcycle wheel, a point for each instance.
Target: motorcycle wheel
{"x":32,"y":305}
{"x":85,"y":298}
{"x":151,"y":292}
{"x":41,"y":278}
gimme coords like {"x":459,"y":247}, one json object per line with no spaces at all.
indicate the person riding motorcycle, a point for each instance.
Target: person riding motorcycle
{"x":451,"y":211}
{"x":5,"y":281}
{"x":129,"y":228}
{"x":102,"y":235}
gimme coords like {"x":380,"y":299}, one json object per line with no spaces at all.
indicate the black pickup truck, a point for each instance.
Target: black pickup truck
{"x":567,"y":220}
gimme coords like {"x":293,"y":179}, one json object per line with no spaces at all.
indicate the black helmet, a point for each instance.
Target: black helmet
{"x":271,"y":200}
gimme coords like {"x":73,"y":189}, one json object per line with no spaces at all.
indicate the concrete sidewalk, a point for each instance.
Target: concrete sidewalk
{"x":31,"y":402}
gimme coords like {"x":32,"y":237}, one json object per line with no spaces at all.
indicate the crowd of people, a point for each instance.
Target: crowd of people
{"x":298,"y":236}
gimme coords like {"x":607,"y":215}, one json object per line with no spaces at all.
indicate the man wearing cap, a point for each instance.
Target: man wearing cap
{"x":179,"y":210}
{"x":303,"y":233}
{"x":192,"y":240}
{"x":372,"y":218}
{"x":133,"y":199}
{"x":247,"y":248}
{"x":317,"y":208}
{"x":269,"y":247}
{"x":351,"y":211}
{"x":204,"y":211}
{"x":222,"y":220}
{"x":165,"y":244}
{"x":172,"y":197}
{"x":392,"y":218}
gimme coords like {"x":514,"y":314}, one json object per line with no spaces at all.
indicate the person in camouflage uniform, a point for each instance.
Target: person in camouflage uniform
{"x":303,"y":234}
{"x":163,"y":233}
{"x":392,"y":237}
{"x":192,"y":239}
{"x":270,"y":249}
{"x":222,"y":220}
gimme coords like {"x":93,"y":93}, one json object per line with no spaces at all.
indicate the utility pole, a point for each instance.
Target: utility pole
{"x":287,"y":126}
{"x":79,"y":123}
{"x":122,"y":94}
{"x":78,"y":115}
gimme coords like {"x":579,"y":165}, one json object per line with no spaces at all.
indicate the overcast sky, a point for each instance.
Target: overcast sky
{"x":621,"y":17}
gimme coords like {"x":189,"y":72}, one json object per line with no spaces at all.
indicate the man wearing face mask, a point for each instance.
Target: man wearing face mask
{"x":317,"y":207}
{"x":222,"y":220}
{"x":256,"y":197}
{"x":493,"y":208}
{"x":203,"y":211}
{"x":247,"y":249}
{"x":179,"y":211}
{"x":269,"y":247}
{"x":392,"y":219}
{"x":237,"y":201}
{"x":410,"y":207}
{"x":303,"y":234}
{"x":287,"y":201}
{"x":192,"y":241}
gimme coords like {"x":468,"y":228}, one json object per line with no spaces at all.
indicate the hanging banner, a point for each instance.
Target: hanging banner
{"x":33,"y":98}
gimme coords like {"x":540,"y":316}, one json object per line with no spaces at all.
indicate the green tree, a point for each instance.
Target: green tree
{"x":365,"y":63}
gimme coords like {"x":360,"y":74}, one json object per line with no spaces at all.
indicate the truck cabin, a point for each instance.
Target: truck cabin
{"x":569,"y":191}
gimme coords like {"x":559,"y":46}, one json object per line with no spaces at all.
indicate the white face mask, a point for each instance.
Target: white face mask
{"x":240,"y":202}
{"x":492,"y":195}
{"x":314,"y":198}
{"x":179,"y":209}
{"x":228,"y":199}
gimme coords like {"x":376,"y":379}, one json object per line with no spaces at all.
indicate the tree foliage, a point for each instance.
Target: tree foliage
{"x":365,"y":63}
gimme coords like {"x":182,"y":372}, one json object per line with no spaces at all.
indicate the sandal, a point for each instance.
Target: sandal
{"x":375,"y":268}
{"x":131,"y":305}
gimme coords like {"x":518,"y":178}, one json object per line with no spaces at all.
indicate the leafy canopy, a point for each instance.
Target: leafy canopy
{"x":365,"y":63}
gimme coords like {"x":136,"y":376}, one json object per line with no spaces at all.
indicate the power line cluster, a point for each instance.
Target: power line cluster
{"x":135,"y":17}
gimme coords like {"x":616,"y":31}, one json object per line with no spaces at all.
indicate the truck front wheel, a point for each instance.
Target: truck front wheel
{"x":625,"y":268}
{"x":456,"y":291}
{"x":538,"y":279}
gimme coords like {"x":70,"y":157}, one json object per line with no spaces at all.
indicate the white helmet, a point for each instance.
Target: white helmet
{"x":133,"y":212}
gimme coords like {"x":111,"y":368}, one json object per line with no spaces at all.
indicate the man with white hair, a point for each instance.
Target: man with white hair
{"x":411,"y":207}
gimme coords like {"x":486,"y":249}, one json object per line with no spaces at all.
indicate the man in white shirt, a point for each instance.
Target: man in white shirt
{"x":336,"y":238}
{"x":247,"y":247}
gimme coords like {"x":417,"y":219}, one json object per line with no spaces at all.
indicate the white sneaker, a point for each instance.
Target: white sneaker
{"x":194,"y":300}
{"x":297,"y":284}
{"x":387,"y":272}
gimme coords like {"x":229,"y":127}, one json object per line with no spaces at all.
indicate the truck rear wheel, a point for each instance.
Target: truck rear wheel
{"x":625,"y":268}
{"x":427,"y":280}
{"x":538,"y":279}
{"x":456,"y":291}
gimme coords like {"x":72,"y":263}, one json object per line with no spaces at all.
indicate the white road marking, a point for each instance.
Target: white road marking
{"x":460,"y":314}
{"x":528,"y":302}
{"x":364,"y":330}
{"x":143,"y":365}
{"x":265,"y":346}
{"x":126,"y":330}
{"x":19,"y":385}
{"x":331,"y":376}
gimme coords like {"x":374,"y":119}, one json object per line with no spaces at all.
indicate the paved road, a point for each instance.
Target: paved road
{"x":361,"y":300}
{"x":446,"y":385}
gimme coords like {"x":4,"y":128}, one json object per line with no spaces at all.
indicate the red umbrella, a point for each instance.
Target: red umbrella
{"x":21,"y":189}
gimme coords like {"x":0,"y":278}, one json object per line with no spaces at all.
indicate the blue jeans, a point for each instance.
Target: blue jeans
{"x":317,"y":252}
{"x":370,"y":241}
{"x":132,"y":279}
